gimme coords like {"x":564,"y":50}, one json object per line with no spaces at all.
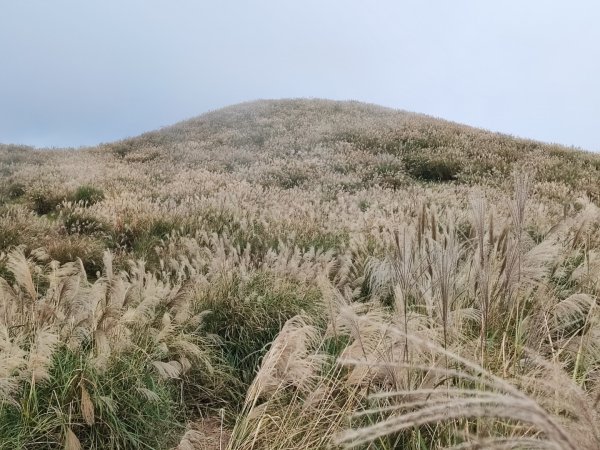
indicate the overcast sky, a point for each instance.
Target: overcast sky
{"x":83,"y":72}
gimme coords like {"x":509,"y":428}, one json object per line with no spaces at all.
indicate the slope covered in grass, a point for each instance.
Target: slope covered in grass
{"x":306,"y":273}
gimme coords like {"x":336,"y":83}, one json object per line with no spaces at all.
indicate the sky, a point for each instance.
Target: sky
{"x":78,"y":73}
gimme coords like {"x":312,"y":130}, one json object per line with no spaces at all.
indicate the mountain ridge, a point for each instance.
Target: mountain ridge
{"x":344,"y":145}
{"x":334,"y":104}
{"x":337,"y":133}
{"x":287,"y":102}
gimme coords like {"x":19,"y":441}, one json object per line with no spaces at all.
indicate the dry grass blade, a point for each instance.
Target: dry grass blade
{"x":19,"y":266}
{"x":191,"y":440}
{"x":87,"y":406}
{"x":71,"y":440}
{"x":315,"y":232}
{"x":171,"y":369}
{"x":509,"y":404}
{"x":515,"y":443}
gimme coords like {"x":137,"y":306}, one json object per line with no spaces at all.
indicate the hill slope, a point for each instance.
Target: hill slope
{"x":263,"y":157}
{"x":339,"y":133}
{"x":454,"y":271}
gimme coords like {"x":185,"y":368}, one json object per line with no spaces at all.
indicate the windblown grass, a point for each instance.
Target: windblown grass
{"x":301,"y":274}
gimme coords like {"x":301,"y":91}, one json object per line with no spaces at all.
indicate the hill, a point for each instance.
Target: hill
{"x":368,"y":276}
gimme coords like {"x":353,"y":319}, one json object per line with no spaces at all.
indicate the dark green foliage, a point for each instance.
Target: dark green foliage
{"x":6,"y":273}
{"x":9,"y":237}
{"x":218,"y":221}
{"x":567,"y":155}
{"x":425,"y":141}
{"x":287,"y":179}
{"x":87,"y":248}
{"x":568,"y":174}
{"x":390,"y":174}
{"x":248,"y":314}
{"x":161,"y":228}
{"x":141,"y":239}
{"x":335,"y":345}
{"x":257,"y":138}
{"x":124,"y":417}
{"x":360,"y":140}
{"x":132,"y":150}
{"x":11,"y":154}
{"x":322,"y":240}
{"x":45,"y":202}
{"x":256,"y":237}
{"x":88,"y":195}
{"x":252,"y":233}
{"x":562,"y":276}
{"x":82,"y":223}
{"x":389,"y":168}
{"x":392,"y":181}
{"x":122,"y":238}
{"x":15,"y":190}
{"x":432,"y":168}
{"x":144,"y":241}
{"x":121,"y":149}
{"x":535,"y":234}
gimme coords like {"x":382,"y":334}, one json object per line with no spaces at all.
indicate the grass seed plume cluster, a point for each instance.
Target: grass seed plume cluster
{"x":301,"y":274}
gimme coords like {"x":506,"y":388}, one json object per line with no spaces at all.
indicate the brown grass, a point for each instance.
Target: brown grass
{"x":315,"y":274}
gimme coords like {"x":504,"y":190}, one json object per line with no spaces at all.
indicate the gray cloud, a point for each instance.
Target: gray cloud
{"x":79,"y":73}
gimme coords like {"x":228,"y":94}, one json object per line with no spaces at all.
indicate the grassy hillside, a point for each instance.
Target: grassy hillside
{"x":300,"y":274}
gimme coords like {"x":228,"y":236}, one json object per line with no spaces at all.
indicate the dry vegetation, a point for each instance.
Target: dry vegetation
{"x":300,"y":275}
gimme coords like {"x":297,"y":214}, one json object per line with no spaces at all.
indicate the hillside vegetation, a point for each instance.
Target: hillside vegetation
{"x":301,"y":274}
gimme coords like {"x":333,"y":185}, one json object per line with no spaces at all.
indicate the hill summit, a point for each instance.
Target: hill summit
{"x":300,"y":274}
{"x":392,"y":146}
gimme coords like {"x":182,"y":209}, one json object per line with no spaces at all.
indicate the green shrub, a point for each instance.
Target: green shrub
{"x":359,"y":140}
{"x":139,"y":239}
{"x":392,"y":181}
{"x":15,"y":190}
{"x":432,"y":168}
{"x":322,"y":240}
{"x":240,"y":233}
{"x":287,"y":179}
{"x":248,"y":314}
{"x":81,"y":223}
{"x":6,"y":273}
{"x":144,"y":241}
{"x":88,"y":249}
{"x":9,"y":237}
{"x":388,"y":174}
{"x":88,"y":195}
{"x":132,"y":407}
{"x":122,"y":148}
{"x":45,"y":202}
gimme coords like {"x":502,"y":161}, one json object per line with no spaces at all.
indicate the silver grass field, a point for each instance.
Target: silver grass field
{"x":301,"y":274}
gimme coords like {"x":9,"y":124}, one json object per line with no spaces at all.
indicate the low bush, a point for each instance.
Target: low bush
{"x":247,"y":314}
{"x":15,"y":190}
{"x":127,"y":406}
{"x":435,"y":168}
{"x":141,"y":238}
{"x":46,"y":201}
{"x":77,"y":222}
{"x":288,"y":178}
{"x":9,"y":237}
{"x":321,"y":240}
{"x":88,"y":195}
{"x":87,"y":248}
